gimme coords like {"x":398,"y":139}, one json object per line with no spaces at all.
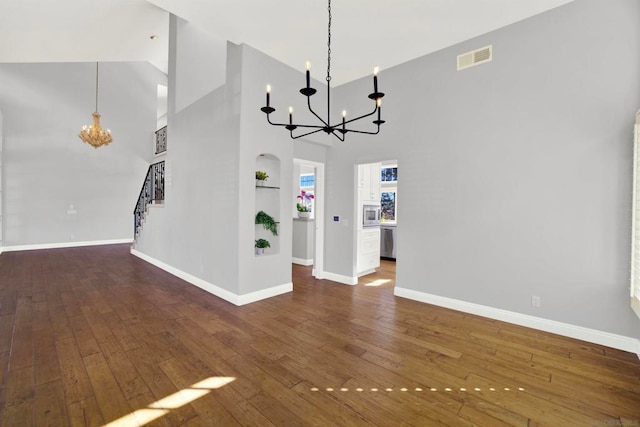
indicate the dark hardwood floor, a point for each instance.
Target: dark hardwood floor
{"x":94,"y":336}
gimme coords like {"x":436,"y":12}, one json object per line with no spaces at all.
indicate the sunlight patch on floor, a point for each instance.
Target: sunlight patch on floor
{"x":162,"y":407}
{"x":379,"y":282}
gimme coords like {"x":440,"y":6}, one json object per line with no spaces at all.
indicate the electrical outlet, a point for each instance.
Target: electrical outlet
{"x":535,"y":301}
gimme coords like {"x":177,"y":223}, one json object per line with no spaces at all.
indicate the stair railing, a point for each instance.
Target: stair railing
{"x":152,"y":191}
{"x":161,"y":140}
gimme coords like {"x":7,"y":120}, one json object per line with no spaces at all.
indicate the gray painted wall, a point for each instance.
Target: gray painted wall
{"x":206,"y":227}
{"x":47,"y":167}
{"x":196,"y":46}
{"x":197,"y":229}
{"x":256,"y":137}
{"x":516,"y":174}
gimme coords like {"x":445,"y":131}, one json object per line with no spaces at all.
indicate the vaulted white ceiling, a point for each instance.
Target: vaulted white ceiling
{"x":364,"y":32}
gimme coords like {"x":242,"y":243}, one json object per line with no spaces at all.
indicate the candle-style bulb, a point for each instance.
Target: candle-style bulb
{"x":308,"y":65}
{"x":375,"y":79}
{"x":308,"y":74}
{"x":290,"y":115}
{"x":268,"y":94}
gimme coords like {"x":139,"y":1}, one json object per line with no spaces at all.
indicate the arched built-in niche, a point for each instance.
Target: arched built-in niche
{"x":267,"y":200}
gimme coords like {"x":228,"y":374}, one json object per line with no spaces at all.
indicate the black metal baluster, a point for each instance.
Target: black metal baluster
{"x":161,"y":140}
{"x":152,"y":190}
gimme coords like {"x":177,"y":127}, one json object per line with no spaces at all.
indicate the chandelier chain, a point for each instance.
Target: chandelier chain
{"x":329,"y":45}
{"x":97,"y":86}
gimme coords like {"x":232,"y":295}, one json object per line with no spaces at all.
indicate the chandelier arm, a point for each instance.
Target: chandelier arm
{"x":305,"y":134}
{"x":301,"y":126}
{"x":356,"y":119}
{"x":365,"y":132}
{"x":340,"y":135}
{"x":314,"y":113}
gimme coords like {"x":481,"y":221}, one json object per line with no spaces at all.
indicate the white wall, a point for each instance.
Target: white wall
{"x":1,"y":186}
{"x":207,"y":226}
{"x":47,"y":167}
{"x":196,"y":231}
{"x":516,"y":174}
{"x":257,"y":137}
{"x":201,"y":63}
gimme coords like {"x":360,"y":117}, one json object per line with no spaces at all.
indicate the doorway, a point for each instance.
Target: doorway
{"x":377,"y":185}
{"x":308,"y":177}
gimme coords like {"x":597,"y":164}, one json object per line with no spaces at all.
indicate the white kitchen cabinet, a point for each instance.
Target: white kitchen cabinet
{"x":368,"y":250}
{"x":369,"y":182}
{"x":374,"y":181}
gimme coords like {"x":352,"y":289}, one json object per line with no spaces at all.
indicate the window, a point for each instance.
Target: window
{"x":388,"y":205}
{"x":389,"y":174}
{"x":307,"y":183}
{"x":307,"y":180}
{"x":389,"y":192}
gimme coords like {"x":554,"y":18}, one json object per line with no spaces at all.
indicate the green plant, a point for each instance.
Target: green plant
{"x":262,"y":243}
{"x":261,"y":175}
{"x":267,"y":222}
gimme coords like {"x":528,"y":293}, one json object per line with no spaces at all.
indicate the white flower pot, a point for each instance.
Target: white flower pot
{"x":259,"y":182}
{"x":259,"y":251}
{"x":304,"y":214}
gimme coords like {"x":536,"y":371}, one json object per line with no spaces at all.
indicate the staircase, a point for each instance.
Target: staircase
{"x":152,"y":191}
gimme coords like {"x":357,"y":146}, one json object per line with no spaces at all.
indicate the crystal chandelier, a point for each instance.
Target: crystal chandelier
{"x":93,"y":134}
{"x":340,"y":129}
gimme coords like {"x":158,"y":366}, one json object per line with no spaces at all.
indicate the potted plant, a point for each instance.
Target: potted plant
{"x":267,"y":222}
{"x":261,"y":177}
{"x":304,"y":204}
{"x":261,"y":244}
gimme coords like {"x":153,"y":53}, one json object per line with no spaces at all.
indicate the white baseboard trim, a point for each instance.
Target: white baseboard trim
{"x":345,"y":280}
{"x":213,"y":289}
{"x":265,"y":293}
{"x":367,"y":272}
{"x":572,"y":331}
{"x":63,"y":245}
{"x":301,"y":261}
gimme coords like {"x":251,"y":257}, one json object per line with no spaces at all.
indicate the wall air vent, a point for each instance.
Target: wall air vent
{"x":475,"y":57}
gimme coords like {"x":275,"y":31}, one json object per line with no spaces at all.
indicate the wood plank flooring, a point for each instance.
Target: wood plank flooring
{"x":94,"y":336}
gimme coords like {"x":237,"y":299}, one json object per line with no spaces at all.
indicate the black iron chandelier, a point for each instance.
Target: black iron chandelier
{"x":340,"y":129}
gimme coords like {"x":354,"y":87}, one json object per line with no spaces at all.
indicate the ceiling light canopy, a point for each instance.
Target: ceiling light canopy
{"x":340,"y":129}
{"x":93,"y":134}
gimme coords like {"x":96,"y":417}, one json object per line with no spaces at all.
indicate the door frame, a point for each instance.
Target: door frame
{"x":319,"y":219}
